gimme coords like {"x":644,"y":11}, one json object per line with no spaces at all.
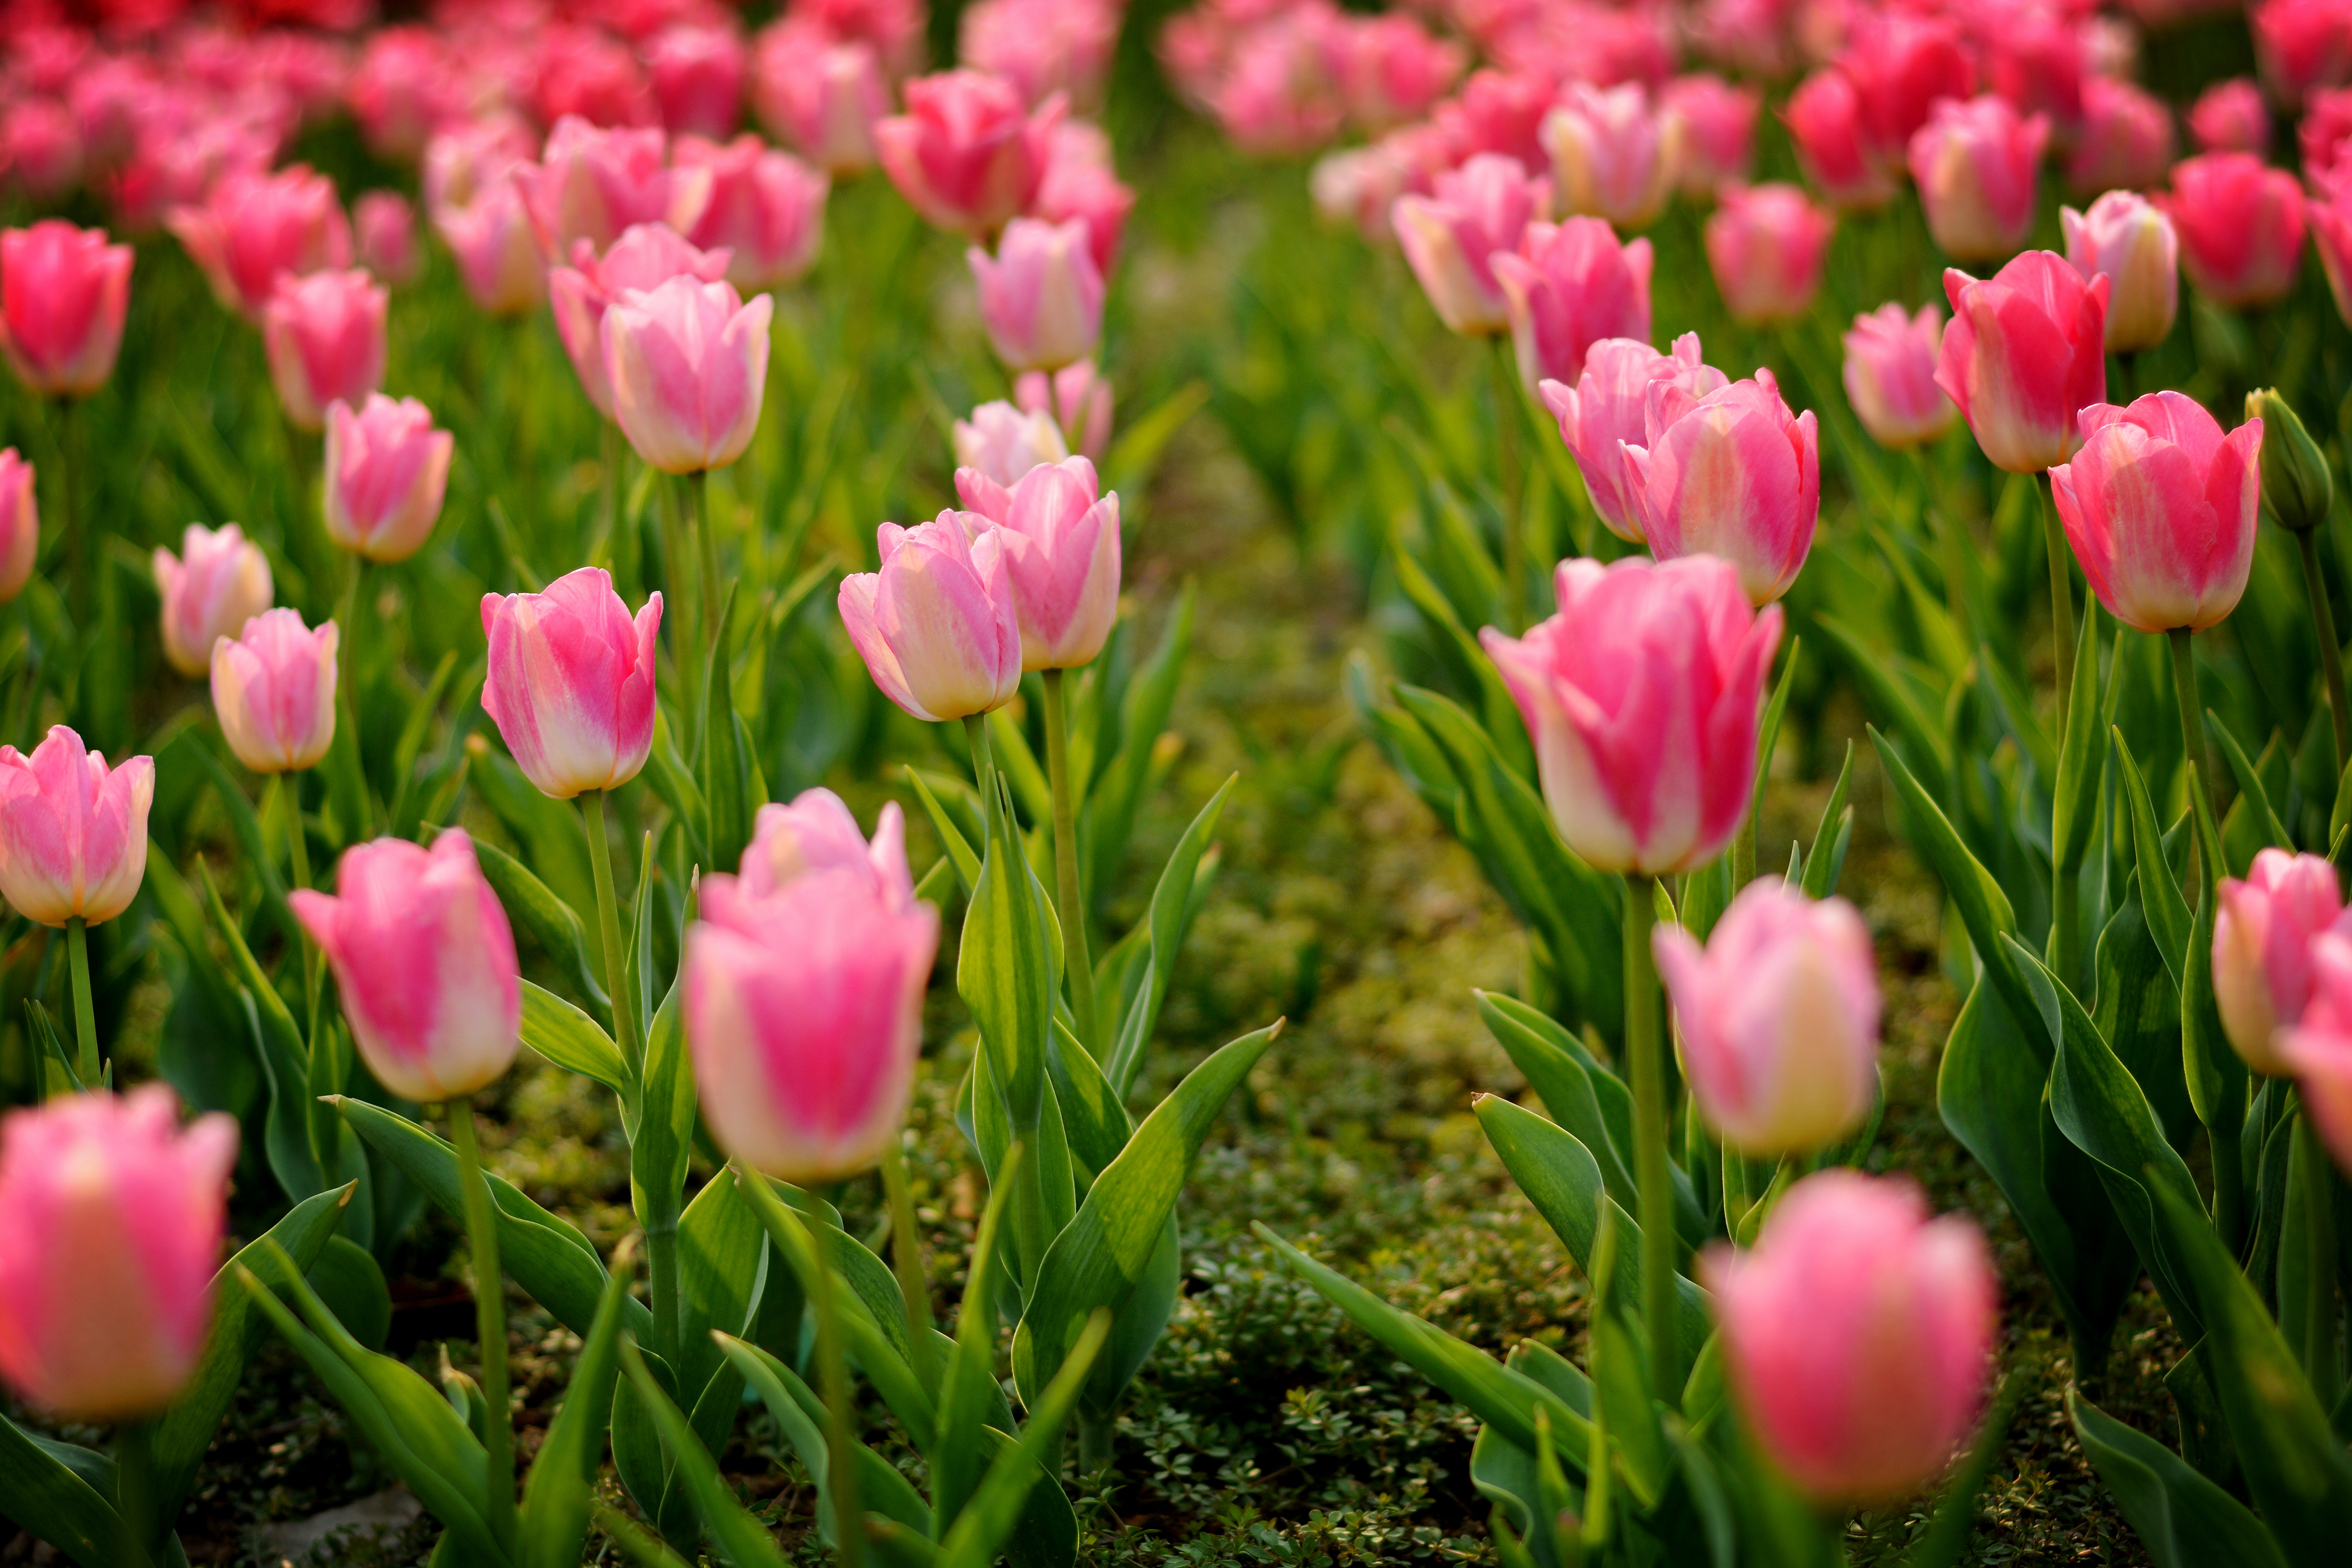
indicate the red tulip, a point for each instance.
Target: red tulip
{"x":63,"y":295}
{"x":2301,"y":45}
{"x":698,"y":75}
{"x":1732,"y":475}
{"x":1607,"y":411}
{"x":1825,"y":121}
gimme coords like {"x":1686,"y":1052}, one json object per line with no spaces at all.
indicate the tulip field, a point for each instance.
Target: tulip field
{"x":1552,"y":783}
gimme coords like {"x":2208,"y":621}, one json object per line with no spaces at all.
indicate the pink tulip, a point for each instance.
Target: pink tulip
{"x":1081,"y":189}
{"x":2128,"y":240}
{"x":1281,"y":93}
{"x":1778,"y":1018}
{"x":254,"y":226}
{"x":2160,"y":507}
{"x":1732,"y":474}
{"x":2331,"y":235}
{"x":1395,"y":71}
{"x":892,"y":29}
{"x":2024,"y":355}
{"x":803,"y":1012}
{"x":219,"y":581}
{"x":384,"y":226}
{"x":937,"y":625}
{"x":586,"y":74}
{"x":1450,"y":238}
{"x":1359,"y":186}
{"x":822,"y":96}
{"x":73,"y":832}
{"x":1856,"y":1335}
{"x":698,"y":78}
{"x":688,"y":365}
{"x":1607,"y":410}
{"x":1041,"y":297}
{"x":20,"y":525}
{"x":1042,"y":46}
{"x":1005,"y":442}
{"x":766,"y":211}
{"x":1498,"y":111}
{"x":1767,"y":245}
{"x":273,"y":691}
{"x":646,"y":257}
{"x":497,"y":251}
{"x":387,"y":470}
{"x":1719,"y":130}
{"x":115,"y":1224}
{"x":571,"y":684}
{"x":2264,"y":930}
{"x":2318,"y":1049}
{"x":1825,"y":123}
{"x":1568,"y":287}
{"x":2326,"y":129}
{"x":967,"y":154}
{"x":2229,"y":117}
{"x":1978,"y":168}
{"x":466,"y":160}
{"x":1902,"y":65}
{"x":1890,"y":375}
{"x":2033,"y":56}
{"x":2124,"y":142}
{"x":40,"y":147}
{"x":1613,"y":155}
{"x":1078,"y":397}
{"x":817,"y":835}
{"x":401,"y":89}
{"x":63,"y":294}
{"x":1642,"y":696}
{"x":424,"y":961}
{"x":2301,"y":45}
{"x":592,"y":185}
{"x":325,"y":337}
{"x":2241,"y":224}
{"x":1060,"y":537}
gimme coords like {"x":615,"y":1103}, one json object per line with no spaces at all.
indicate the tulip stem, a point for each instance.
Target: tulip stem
{"x":85,"y":1016}
{"x":833,"y":1378}
{"x":907,"y":1257}
{"x":489,"y":1319}
{"x":983,"y":768}
{"x":608,"y":917}
{"x":2314,"y":1190}
{"x":77,"y":548}
{"x":1944,"y":530}
{"x":1506,"y":444}
{"x":298,"y":856}
{"x":706,"y":543}
{"x":2062,"y":595}
{"x":2200,"y":756}
{"x":1646,"y":1060}
{"x":2331,"y":652}
{"x":609,"y":511}
{"x":135,"y":1471}
{"x":1066,"y":865}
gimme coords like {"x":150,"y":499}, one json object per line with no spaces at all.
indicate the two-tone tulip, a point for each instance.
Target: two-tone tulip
{"x":63,"y":294}
{"x":1613,"y":154}
{"x":1060,"y":537}
{"x":571,"y":682}
{"x":766,"y":208}
{"x":822,"y":94}
{"x":817,"y":832}
{"x":2025,"y":352}
{"x":688,"y":365}
{"x":1825,"y":125}
{"x":387,"y":471}
{"x":73,"y":831}
{"x":1733,"y":475}
{"x":2241,"y":226}
{"x":968,"y":154}
{"x":20,"y":525}
{"x":1978,"y":165}
{"x":1041,"y":295}
{"x":1566,"y":287}
{"x":1890,"y":375}
{"x":273,"y":691}
{"x":1607,"y":411}
{"x":2128,"y":239}
{"x":1765,"y":245}
{"x":253,"y":227}
{"x":1450,"y":237}
{"x":2264,"y":929}
{"x":936,"y":625}
{"x":2317,"y":1050}
{"x":1005,"y":442}
{"x":2124,"y":142}
{"x":1080,"y":399}
{"x":325,"y":338}
{"x":496,"y":249}
{"x":1719,"y":130}
{"x":219,"y":581}
{"x":647,"y":256}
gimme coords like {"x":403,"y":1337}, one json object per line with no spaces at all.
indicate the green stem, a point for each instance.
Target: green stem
{"x":2314,"y":1184}
{"x":298,"y":856}
{"x":2065,"y":925}
{"x":2207,"y":856}
{"x":347,"y":638}
{"x":2062,"y":595}
{"x":1065,"y":864}
{"x":609,"y":508}
{"x":1506,"y":444}
{"x":1646,"y":1059}
{"x":706,"y":543}
{"x":2331,"y":652}
{"x":85,"y":1015}
{"x":907,"y":1257}
{"x":983,"y":767}
{"x":608,"y":919}
{"x":1945,"y":530}
{"x":833,"y":1377}
{"x":77,"y":547}
{"x":490,"y":1322}
{"x":134,"y":1473}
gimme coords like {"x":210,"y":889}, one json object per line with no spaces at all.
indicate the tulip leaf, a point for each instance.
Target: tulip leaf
{"x":721,"y":1264}
{"x":742,"y":1540}
{"x":666,"y":773}
{"x":1465,"y":661}
{"x":286,"y":1134}
{"x":959,"y":847}
{"x":2251,"y":790}
{"x":724,"y":793}
{"x":1767,"y":730}
{"x":561,"y":1491}
{"x":2182,"y":1518}
{"x":1984,"y":909}
{"x":997,"y":1510}
{"x":2217,"y":1076}
{"x":548,"y":830}
{"x":1923,"y":736}
{"x":401,"y":783}
{"x":880,"y":1485}
{"x":2159,"y":890}
{"x":1004,"y":972}
{"x":1093,"y":1118}
{"x":970,"y":1375}
{"x":572,"y":1039}
{"x":1009,"y":746}
{"x":40,"y":1492}
{"x":1114,"y":787}
{"x":1170,"y":919}
{"x":874,"y":1316}
{"x":245,"y":825}
{"x":553,"y":924}
{"x":1826,"y":858}
{"x":1103,"y":1254}
{"x":661,"y":1134}
{"x":2074,"y":795}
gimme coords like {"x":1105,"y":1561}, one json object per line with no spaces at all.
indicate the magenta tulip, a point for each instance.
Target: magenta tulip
{"x":1089,"y":191}
{"x":936,"y":625}
{"x":387,"y":469}
{"x":698,"y":75}
{"x":1978,"y":165}
{"x":1733,"y":475}
{"x":383,"y":227}
{"x":2264,"y":929}
{"x":1060,"y":537}
{"x":2240,"y":224}
{"x":2229,"y":117}
{"x":63,"y":295}
{"x":1078,"y":398}
{"x":1890,"y":375}
{"x":688,"y":364}
{"x":497,"y":251}
{"x":1566,"y":287}
{"x":2318,"y":1049}
{"x":766,"y":208}
{"x":273,"y":691}
{"x":253,"y":227}
{"x":425,"y":964}
{"x":219,"y":581}
{"x":1719,"y":130}
{"x":1452,"y":238}
{"x":73,"y":832}
{"x":1041,"y":297}
{"x":1607,"y":410}
{"x":2127,"y":240}
{"x":967,"y":154}
{"x":2301,"y":45}
{"x":645,"y":257}
{"x":2124,"y":142}
{"x":325,"y":337}
{"x":823,"y":95}
{"x":1824,"y":121}
{"x":1642,"y":696}
{"x":1613,"y":154}
{"x":592,"y":184}
{"x":1767,"y":245}
{"x":570,"y":683}
{"x":1005,"y":442}
{"x":2024,"y":355}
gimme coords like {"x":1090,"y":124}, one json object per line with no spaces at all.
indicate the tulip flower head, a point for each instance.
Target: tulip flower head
{"x":325,"y":337}
{"x":570,"y":683}
{"x":2331,"y":235}
{"x":1614,"y":154}
{"x":1078,"y":398}
{"x":253,"y":227}
{"x":1041,"y":296}
{"x":823,"y":95}
{"x":2126,"y":142}
{"x":1765,"y":245}
{"x":698,"y":75}
{"x":497,"y":251}
{"x":273,"y":691}
{"x":1732,"y":474}
{"x":646,"y":257}
{"x":1824,"y":121}
{"x":425,"y":964}
{"x":387,"y":469}
{"x":1566,"y":287}
{"x":593,"y":183}
{"x":1978,"y":167}
{"x":2231,"y":117}
{"x":2024,"y":355}
{"x":967,"y":154}
{"x":73,"y":832}
{"x":1719,"y":130}
{"x":1087,"y":191}
{"x":766,"y":209}
{"x":2129,"y":240}
{"x":2240,"y":224}
{"x":2318,"y":1048}
{"x":20,"y":525}
{"x":1060,"y":537}
{"x":383,"y":226}
{"x":2264,"y":933}
{"x":816,"y":833}
{"x":219,"y":581}
{"x":1607,"y":411}
{"x":63,"y":294}
{"x":688,"y":365}
{"x":1004,"y":442}
{"x":1450,"y":237}
{"x":116,"y":1217}
{"x":1890,"y":375}
{"x":938,"y":626}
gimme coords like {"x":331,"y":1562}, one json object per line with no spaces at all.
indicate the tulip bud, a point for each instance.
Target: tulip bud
{"x":1856,"y":1334}
{"x":1890,"y":375}
{"x":218,"y":582}
{"x":115,"y":1223}
{"x":1005,"y":442}
{"x":2024,"y":355}
{"x":646,"y":257}
{"x":1450,"y":238}
{"x":1779,"y":1016}
{"x":1734,"y":474}
{"x":20,"y":525}
{"x":1765,"y":245}
{"x":570,"y":683}
{"x":2297,"y":490}
{"x":424,"y":961}
{"x":63,"y":295}
{"x":1041,"y":296}
{"x":967,"y":154}
{"x":937,"y":625}
{"x":387,"y":469}
{"x":497,"y":255}
{"x":766,"y":211}
{"x":1568,"y":287}
{"x":273,"y":691}
{"x":2264,"y":931}
{"x":688,"y":364}
{"x":1612,"y":154}
{"x":325,"y":336}
{"x":253,"y":227}
{"x":593,"y":183}
{"x":1061,"y":551}
{"x":73,"y":832}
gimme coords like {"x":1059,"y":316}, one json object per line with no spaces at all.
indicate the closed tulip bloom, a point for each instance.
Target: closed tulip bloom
{"x":571,"y":684}
{"x":1566,"y":287}
{"x":2318,"y":1049}
{"x":1080,"y":399}
{"x":937,"y":625}
{"x":73,"y":832}
{"x":1778,"y":1018}
{"x":2229,"y":117}
{"x":466,"y":160}
{"x":766,"y":209}
{"x":1607,"y":410}
{"x":1090,"y":192}
{"x":647,"y":256}
{"x":384,"y":226}
{"x":1395,"y":71}
{"x":1856,"y":1335}
{"x":1060,"y":537}
{"x":592,"y":183}
{"x":1359,"y":186}
{"x":1041,"y":297}
{"x":115,"y":1222}
{"x":273,"y":691}
{"x":20,"y":525}
{"x":698,"y":78}
{"x":1978,"y":167}
{"x":387,"y":470}
{"x":2034,"y":56}
{"x":424,"y":961}
{"x":2331,"y":235}
{"x":2264,"y":930}
{"x":1450,"y":237}
{"x":63,"y":294}
{"x":1614,"y":154}
{"x":2324,"y":131}
{"x":1498,"y":111}
{"x":1890,"y":375}
{"x":2025,"y":352}
{"x":1005,"y":442}
{"x":1902,"y":66}
{"x":2300,"y":44}
{"x":2124,"y":142}
{"x":2241,"y":224}
{"x":822,"y":95}
{"x":816,"y":833}
{"x":1824,"y":121}
{"x":2130,"y":241}
{"x":325,"y":338}
{"x":1765,"y":245}
{"x":1719,"y":130}
{"x":219,"y":581}
{"x":2160,"y":507}
{"x":497,"y":251}
{"x":1733,"y":475}
{"x":1642,"y":696}
{"x":688,"y":364}
{"x":253,"y":227}
{"x":967,"y":154}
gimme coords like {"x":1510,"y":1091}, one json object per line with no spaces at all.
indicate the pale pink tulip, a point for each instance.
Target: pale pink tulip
{"x":1642,"y":696}
{"x":465,"y":160}
{"x":1778,"y":1015}
{"x":1733,"y":475}
{"x":1450,"y":237}
{"x":1767,"y":245}
{"x":20,"y":525}
{"x":253,"y":227}
{"x":387,"y":470}
{"x":1079,"y":399}
{"x":219,"y":581}
{"x":115,"y":1224}
{"x":967,"y":154}
{"x":698,"y":74}
{"x":2240,"y":224}
{"x":2318,"y":1049}
{"x":1568,"y":287}
{"x":497,"y":250}
{"x":1498,"y":111}
{"x":384,"y":227}
{"x":2160,"y":508}
{"x":2229,"y":117}
{"x":1614,"y":154}
{"x":1060,"y":537}
{"x":273,"y":691}
{"x":1890,"y":375}
{"x":1042,"y":46}
{"x":73,"y":832}
{"x":425,"y":964}
{"x":937,"y":625}
{"x":2128,"y":240}
{"x":816,"y":833}
{"x":688,"y":365}
{"x":325,"y":337}
{"x":766,"y":208}
{"x":570,"y":683}
{"x":822,"y":96}
{"x":1719,"y":130}
{"x":1041,"y":297}
{"x":590,"y":184}
{"x":1607,"y":410}
{"x":2024,"y":355}
{"x":1394,"y":71}
{"x":1005,"y":442}
{"x":644,"y":257}
{"x":1824,"y":121}
{"x":1978,"y":167}
{"x":2125,"y":141}
{"x":2264,"y":930}
{"x":1857,"y":1335}
{"x":63,"y":294}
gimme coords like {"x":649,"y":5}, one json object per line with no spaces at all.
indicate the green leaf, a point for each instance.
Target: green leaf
{"x":720,"y":1259}
{"x":44,"y":1495}
{"x":254,"y":847}
{"x":1004,"y":973}
{"x":1170,"y":918}
{"x":722,"y":773}
{"x":2250,"y":784}
{"x":2182,"y":1518}
{"x":1767,"y":731}
{"x":1013,"y":759}
{"x":572,"y":1039}
{"x":562,"y":1488}
{"x":959,"y":847}
{"x":293,"y":1157}
{"x":2075,"y":796}
{"x":666,"y":772}
{"x":1498,"y":715}
{"x":2159,"y":890}
{"x":800,"y":1413}
{"x":1984,"y":908}
{"x":1827,"y":857}
{"x":1095,"y":1122}
{"x":661,"y":1133}
{"x":964,"y":1391}
{"x":997,"y":1508}
{"x":740,"y":1539}
{"x":553,"y":924}
{"x":1924,"y":736}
